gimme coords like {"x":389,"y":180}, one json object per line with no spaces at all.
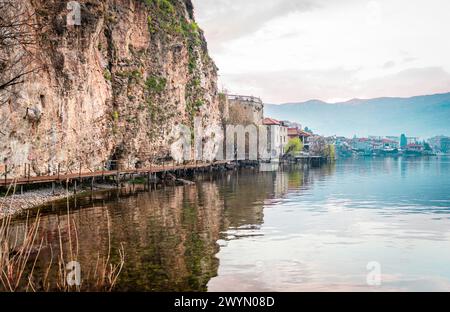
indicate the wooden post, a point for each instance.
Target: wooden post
{"x":80,"y":171}
{"x":59,"y":171}
{"x":6,"y":173}
{"x":118,"y":174}
{"x":75,"y":187}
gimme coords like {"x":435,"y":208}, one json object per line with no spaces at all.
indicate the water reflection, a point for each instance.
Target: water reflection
{"x":169,"y":236}
{"x":287,"y":229}
{"x":322,"y":235}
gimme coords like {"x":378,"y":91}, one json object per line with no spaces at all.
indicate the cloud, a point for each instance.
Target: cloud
{"x":409,"y":82}
{"x":291,"y":86}
{"x":296,"y":50}
{"x":389,"y":65}
{"x":226,"y":20}
{"x":338,"y":84}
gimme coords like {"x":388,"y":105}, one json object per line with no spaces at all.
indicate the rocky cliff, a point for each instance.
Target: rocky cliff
{"x":111,"y":87}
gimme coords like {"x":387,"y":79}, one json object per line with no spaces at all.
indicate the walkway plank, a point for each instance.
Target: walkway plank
{"x":108,"y":173}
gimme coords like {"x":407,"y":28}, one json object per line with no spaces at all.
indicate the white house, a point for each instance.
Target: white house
{"x":278,"y":137}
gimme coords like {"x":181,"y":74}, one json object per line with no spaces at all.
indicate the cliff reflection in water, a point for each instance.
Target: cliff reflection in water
{"x":170,"y":236}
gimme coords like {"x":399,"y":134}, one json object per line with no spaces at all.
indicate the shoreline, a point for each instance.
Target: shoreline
{"x":15,"y":204}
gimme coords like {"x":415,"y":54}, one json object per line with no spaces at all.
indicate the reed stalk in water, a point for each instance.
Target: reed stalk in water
{"x":20,"y":252}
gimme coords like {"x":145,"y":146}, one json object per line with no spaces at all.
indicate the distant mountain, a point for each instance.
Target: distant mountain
{"x":422,"y":116}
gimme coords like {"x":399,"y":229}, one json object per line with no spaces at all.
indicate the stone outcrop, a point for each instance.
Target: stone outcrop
{"x":109,"y":89}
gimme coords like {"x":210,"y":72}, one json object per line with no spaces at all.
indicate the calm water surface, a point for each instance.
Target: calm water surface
{"x":292,"y":229}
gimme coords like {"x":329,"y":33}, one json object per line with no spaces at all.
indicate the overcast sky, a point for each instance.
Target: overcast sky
{"x":332,"y":50}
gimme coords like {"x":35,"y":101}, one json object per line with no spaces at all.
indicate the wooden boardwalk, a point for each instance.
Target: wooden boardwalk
{"x":104,"y":173}
{"x":311,"y":160}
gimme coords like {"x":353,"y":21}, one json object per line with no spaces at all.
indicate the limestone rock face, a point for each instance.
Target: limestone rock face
{"x":109,"y":88}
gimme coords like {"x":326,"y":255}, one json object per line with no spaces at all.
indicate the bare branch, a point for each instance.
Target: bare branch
{"x":17,"y":31}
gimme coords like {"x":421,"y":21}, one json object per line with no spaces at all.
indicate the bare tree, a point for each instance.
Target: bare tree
{"x":17,"y":35}
{"x":317,"y":146}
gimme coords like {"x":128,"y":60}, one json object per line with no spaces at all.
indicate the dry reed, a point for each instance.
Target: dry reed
{"x":20,"y":253}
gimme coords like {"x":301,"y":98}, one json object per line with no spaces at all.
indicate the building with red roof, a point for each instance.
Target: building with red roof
{"x":271,"y":122}
{"x":278,"y":132}
{"x":298,"y":133}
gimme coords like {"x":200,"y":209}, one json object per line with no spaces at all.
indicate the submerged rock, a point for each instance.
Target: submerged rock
{"x":185,"y":182}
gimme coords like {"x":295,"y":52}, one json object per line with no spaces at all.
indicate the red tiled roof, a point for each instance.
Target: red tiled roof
{"x":298,"y":132}
{"x":271,"y":122}
{"x":305,"y":134}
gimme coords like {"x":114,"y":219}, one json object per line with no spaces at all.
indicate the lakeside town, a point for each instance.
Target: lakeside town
{"x":393,"y":146}
{"x":292,"y":139}
{"x":286,"y":141}
{"x":127,"y":166}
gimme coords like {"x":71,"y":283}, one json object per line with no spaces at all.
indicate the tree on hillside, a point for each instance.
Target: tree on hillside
{"x":330,"y":151}
{"x":17,"y":34}
{"x":403,"y":141}
{"x":320,"y":146}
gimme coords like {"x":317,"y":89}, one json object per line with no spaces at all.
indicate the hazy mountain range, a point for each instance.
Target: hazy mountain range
{"x":422,"y":116}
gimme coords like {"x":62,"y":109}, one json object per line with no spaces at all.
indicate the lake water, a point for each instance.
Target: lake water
{"x":293,"y":229}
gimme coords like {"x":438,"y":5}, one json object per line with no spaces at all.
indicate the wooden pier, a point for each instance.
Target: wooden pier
{"x":117,"y":174}
{"x":314,"y":161}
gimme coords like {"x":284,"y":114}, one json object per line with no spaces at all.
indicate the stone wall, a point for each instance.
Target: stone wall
{"x":245,"y":110}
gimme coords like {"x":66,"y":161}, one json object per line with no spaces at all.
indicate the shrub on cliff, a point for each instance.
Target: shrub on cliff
{"x":156,"y":84}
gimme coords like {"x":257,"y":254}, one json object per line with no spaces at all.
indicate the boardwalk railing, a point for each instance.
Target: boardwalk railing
{"x":105,"y":172}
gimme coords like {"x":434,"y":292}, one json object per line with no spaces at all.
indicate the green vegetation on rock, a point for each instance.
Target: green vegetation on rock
{"x":156,"y":84}
{"x":169,"y":24}
{"x":107,"y":75}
